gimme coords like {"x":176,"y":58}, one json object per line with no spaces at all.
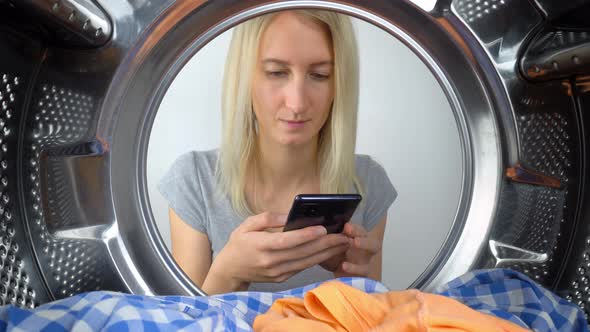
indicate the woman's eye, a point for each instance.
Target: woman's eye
{"x":319,"y":76}
{"x":276,"y":73}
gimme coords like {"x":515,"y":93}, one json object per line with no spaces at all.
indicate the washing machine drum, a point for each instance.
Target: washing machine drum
{"x":81,"y":80}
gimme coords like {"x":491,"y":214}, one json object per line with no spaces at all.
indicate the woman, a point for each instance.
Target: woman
{"x":289,"y":127}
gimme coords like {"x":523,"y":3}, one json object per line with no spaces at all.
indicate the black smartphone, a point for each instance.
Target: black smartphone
{"x":332,"y":211}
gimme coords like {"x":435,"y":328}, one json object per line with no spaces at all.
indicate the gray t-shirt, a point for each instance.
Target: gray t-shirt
{"x":190,"y":188}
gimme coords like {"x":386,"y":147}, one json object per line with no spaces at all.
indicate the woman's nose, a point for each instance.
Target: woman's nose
{"x":295,"y":96}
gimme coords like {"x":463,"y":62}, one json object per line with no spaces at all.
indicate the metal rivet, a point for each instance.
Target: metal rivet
{"x":576,"y":60}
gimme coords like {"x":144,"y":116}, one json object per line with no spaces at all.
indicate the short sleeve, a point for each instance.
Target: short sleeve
{"x":180,"y":187}
{"x":380,"y":194}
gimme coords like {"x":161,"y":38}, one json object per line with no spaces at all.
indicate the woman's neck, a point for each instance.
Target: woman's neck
{"x":279,"y":173}
{"x":287,"y":167}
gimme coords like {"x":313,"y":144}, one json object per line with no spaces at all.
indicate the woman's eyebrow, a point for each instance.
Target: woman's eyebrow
{"x":322,"y":63}
{"x":287,"y":63}
{"x":276,"y":61}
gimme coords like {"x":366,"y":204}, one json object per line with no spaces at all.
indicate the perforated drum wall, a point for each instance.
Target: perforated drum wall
{"x":76,"y":110}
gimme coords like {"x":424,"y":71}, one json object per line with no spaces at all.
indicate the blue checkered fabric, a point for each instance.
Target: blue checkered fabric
{"x":502,"y":293}
{"x":515,"y":297}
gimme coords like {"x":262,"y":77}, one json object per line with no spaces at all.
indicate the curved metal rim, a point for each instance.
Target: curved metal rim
{"x":232,"y":21}
{"x":472,"y":221}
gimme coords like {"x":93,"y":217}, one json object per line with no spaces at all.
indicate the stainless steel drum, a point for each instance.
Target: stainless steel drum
{"x":80,"y":82}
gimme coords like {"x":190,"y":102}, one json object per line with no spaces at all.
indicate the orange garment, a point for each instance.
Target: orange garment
{"x":334,"y":306}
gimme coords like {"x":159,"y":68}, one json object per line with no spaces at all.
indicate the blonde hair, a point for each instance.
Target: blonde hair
{"x":337,"y":139}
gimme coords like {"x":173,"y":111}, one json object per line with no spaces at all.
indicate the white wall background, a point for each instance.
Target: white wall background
{"x":405,"y":123}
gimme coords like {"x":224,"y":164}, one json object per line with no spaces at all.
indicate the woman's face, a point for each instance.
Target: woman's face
{"x":293,"y":84}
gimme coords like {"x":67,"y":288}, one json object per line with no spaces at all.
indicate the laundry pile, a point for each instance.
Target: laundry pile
{"x":483,"y":300}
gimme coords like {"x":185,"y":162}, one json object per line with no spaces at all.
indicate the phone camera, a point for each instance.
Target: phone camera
{"x":312,"y":211}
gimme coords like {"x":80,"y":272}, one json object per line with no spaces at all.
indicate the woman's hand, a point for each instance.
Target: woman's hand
{"x":356,"y":261}
{"x":253,"y":254}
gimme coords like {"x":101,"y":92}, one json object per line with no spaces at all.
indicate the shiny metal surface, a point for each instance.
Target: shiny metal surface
{"x":84,"y":220}
{"x":55,"y":180}
{"x":164,"y":52}
{"x":75,"y":171}
{"x":494,"y":50}
{"x":21,"y":283}
{"x":83,"y":19}
{"x":506,"y":254}
{"x":14,"y":282}
{"x":575,"y":281}
{"x":83,"y":227}
{"x":556,"y":54}
{"x":531,"y":218}
{"x":529,"y":221}
{"x":472,"y":11}
{"x":553,"y":9}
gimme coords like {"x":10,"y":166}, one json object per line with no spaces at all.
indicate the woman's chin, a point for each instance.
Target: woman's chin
{"x":294,"y":141}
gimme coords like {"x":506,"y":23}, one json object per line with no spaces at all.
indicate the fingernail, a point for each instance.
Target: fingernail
{"x":321,"y":230}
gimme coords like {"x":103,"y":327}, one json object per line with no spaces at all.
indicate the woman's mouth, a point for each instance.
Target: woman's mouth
{"x":294,"y":124}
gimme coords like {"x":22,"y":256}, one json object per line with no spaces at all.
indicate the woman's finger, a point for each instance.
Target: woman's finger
{"x":292,"y":239}
{"x":354,"y":230}
{"x":311,"y":247}
{"x":355,"y":269}
{"x":262,"y":221}
{"x":309,"y":261}
{"x":367,"y":243}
